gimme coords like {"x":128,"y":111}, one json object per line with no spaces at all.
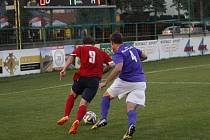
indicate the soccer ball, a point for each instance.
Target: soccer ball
{"x":90,"y":118}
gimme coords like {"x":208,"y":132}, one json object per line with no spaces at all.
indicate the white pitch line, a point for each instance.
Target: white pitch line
{"x":58,"y":86}
{"x":151,"y":72}
{"x":189,"y":83}
{"x":173,"y":69}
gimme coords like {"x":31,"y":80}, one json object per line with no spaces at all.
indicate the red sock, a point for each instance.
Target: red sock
{"x":81,"y":112}
{"x":69,"y":105}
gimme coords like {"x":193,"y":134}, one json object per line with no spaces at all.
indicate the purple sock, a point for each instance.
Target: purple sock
{"x":105,"y":104}
{"x":132,"y":116}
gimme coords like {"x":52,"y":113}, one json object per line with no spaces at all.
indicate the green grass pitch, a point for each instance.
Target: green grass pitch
{"x":177,"y":105}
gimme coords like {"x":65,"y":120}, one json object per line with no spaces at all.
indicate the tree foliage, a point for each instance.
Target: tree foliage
{"x":202,"y":6}
{"x":137,"y":6}
{"x":159,"y":6}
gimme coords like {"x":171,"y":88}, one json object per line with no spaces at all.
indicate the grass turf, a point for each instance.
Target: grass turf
{"x":177,"y":106}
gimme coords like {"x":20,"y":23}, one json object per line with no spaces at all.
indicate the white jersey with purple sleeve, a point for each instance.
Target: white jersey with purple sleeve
{"x":132,"y":70}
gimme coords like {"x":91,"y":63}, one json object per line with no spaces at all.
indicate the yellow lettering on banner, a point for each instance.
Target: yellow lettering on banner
{"x":30,"y":59}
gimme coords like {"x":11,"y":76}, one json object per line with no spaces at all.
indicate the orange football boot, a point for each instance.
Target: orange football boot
{"x":73,"y":129}
{"x":63,"y":120}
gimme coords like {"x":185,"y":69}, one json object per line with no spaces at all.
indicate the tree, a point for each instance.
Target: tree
{"x":138,"y":6}
{"x":206,"y":8}
{"x":133,"y":6}
{"x":159,"y":6}
{"x":202,"y":6}
{"x":179,"y":6}
{"x":201,"y":10}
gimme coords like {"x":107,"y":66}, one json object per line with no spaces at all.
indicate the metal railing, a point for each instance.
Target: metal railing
{"x":72,"y":34}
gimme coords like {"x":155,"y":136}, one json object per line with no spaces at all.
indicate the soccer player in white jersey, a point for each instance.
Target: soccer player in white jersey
{"x":129,"y":81}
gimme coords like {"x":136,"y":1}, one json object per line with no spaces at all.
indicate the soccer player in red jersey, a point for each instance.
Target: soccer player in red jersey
{"x":86,"y":80}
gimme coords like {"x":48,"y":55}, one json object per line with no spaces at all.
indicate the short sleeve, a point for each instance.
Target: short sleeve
{"x":76,"y":52}
{"x":106,"y":57}
{"x":117,"y":58}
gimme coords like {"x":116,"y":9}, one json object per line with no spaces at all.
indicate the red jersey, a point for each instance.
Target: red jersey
{"x":91,"y":60}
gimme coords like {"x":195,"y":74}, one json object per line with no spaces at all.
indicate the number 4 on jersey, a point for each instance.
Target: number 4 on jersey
{"x":133,"y":57}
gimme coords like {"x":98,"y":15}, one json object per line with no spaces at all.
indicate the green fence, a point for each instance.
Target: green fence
{"x":43,"y":27}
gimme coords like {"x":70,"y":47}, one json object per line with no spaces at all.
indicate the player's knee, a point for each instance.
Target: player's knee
{"x":83,"y":102}
{"x":131,"y":106}
{"x":73,"y":94}
{"x":108,"y":95}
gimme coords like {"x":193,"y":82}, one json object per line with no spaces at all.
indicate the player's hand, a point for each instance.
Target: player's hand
{"x":102,"y":85}
{"x":62,"y":74}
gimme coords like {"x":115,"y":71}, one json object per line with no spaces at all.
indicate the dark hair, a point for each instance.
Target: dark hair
{"x":116,"y":38}
{"x":88,"y":40}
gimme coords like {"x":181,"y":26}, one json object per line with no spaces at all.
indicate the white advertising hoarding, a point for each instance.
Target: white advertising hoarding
{"x":150,"y":48}
{"x":170,"y":48}
{"x":53,"y":58}
{"x":195,"y":46}
{"x":11,"y":63}
{"x":20,"y":62}
{"x":200,"y":45}
{"x":29,"y":61}
{"x":58,"y":57}
{"x":207,"y":43}
{"x":178,"y":47}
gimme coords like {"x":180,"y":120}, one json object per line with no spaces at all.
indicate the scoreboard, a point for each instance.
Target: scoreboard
{"x":61,"y":2}
{"x":83,"y":11}
{"x":70,"y":2}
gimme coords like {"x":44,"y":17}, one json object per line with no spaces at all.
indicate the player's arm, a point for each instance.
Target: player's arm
{"x":69,"y":61}
{"x":142,"y":55}
{"x":115,"y":72}
{"x":108,"y":66}
{"x":108,"y":63}
{"x":67,"y":64}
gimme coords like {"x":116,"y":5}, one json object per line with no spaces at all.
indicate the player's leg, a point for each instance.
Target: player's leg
{"x":76,"y":90}
{"x":88,"y":94}
{"x":135,"y":99}
{"x":132,"y":116}
{"x":113,"y":91}
{"x":82,"y":109}
{"x":68,"y":107}
{"x":105,"y":105}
